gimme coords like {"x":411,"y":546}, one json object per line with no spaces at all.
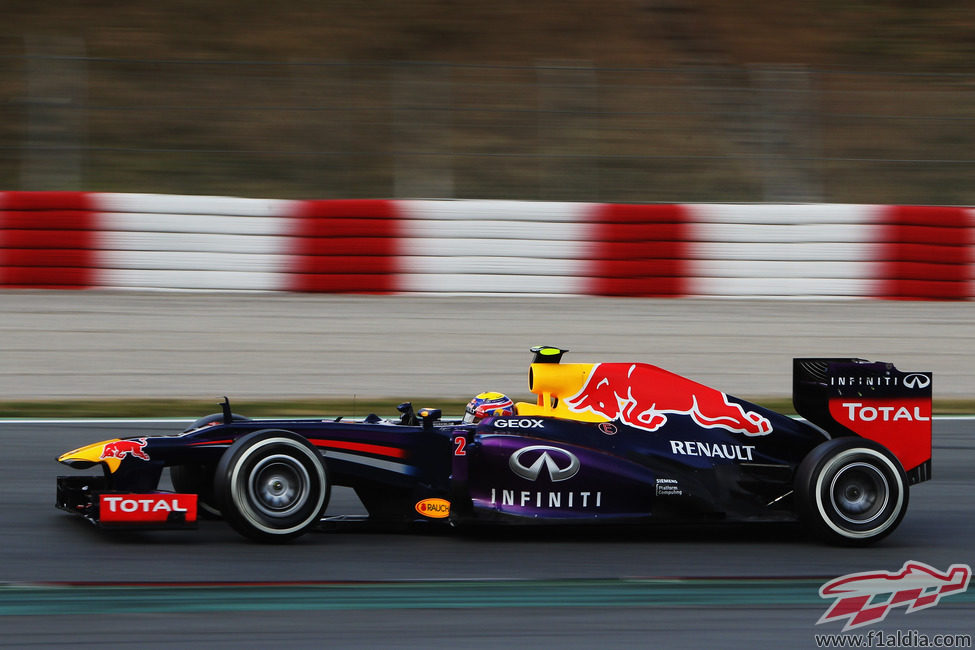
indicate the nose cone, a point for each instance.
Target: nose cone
{"x":91,"y":455}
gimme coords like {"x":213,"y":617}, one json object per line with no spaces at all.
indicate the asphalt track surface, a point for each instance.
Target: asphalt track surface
{"x":84,"y":344}
{"x":687,"y":588}
{"x":66,"y":583}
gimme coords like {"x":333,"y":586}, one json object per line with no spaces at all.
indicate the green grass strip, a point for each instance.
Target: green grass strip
{"x":161,"y":408}
{"x":46,"y":599}
{"x":92,"y":599}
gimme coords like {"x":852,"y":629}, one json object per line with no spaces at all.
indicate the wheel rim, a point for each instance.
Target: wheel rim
{"x":859,"y":493}
{"x":278,"y":486}
{"x":273,"y":486}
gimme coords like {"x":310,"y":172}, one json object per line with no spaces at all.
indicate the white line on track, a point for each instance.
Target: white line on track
{"x":93,"y":420}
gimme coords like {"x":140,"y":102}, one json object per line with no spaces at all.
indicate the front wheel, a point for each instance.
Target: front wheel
{"x":851,"y":491}
{"x":271,"y":485}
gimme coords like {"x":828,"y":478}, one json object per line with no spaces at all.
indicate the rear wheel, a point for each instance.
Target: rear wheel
{"x":271,"y":485}
{"x":851,"y":491}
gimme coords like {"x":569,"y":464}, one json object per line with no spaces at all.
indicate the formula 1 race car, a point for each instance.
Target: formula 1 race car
{"x":602,"y":443}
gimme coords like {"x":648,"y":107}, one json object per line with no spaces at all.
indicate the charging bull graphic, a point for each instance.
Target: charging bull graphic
{"x":642,"y":396}
{"x":122,"y":448}
{"x":916,"y":585}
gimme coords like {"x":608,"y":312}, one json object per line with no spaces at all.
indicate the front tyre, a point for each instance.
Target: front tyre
{"x":851,"y":491}
{"x":271,"y":485}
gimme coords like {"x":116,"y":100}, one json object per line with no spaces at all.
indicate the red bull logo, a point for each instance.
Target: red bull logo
{"x":642,"y":396}
{"x":865,"y":598}
{"x":122,"y":448}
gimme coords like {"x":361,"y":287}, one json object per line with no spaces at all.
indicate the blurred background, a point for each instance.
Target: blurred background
{"x":859,"y":101}
{"x":616,"y":100}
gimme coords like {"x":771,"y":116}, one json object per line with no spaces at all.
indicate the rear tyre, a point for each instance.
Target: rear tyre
{"x":271,"y":485}
{"x":851,"y":491}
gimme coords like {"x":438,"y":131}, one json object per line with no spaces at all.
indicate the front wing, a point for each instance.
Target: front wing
{"x":89,"y":497}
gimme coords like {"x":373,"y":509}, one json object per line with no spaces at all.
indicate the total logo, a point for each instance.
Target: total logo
{"x":142,"y":504}
{"x":520,"y":423}
{"x":145,"y":507}
{"x":857,"y":412}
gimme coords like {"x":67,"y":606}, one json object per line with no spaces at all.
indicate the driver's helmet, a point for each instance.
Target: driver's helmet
{"x":488,"y":404}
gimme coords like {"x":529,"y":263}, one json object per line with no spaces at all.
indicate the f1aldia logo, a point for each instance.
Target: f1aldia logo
{"x":866,"y":598}
{"x":562,"y":469}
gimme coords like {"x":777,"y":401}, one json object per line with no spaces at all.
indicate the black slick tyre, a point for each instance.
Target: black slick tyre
{"x":271,"y":485}
{"x":851,"y":491}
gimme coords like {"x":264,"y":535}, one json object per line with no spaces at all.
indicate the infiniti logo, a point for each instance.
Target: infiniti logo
{"x":917,"y":381}
{"x":555,"y":471}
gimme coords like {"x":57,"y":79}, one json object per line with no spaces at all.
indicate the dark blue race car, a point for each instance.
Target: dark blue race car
{"x":602,"y":443}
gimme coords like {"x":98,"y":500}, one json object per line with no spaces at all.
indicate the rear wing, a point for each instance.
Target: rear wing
{"x":870,"y":399}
